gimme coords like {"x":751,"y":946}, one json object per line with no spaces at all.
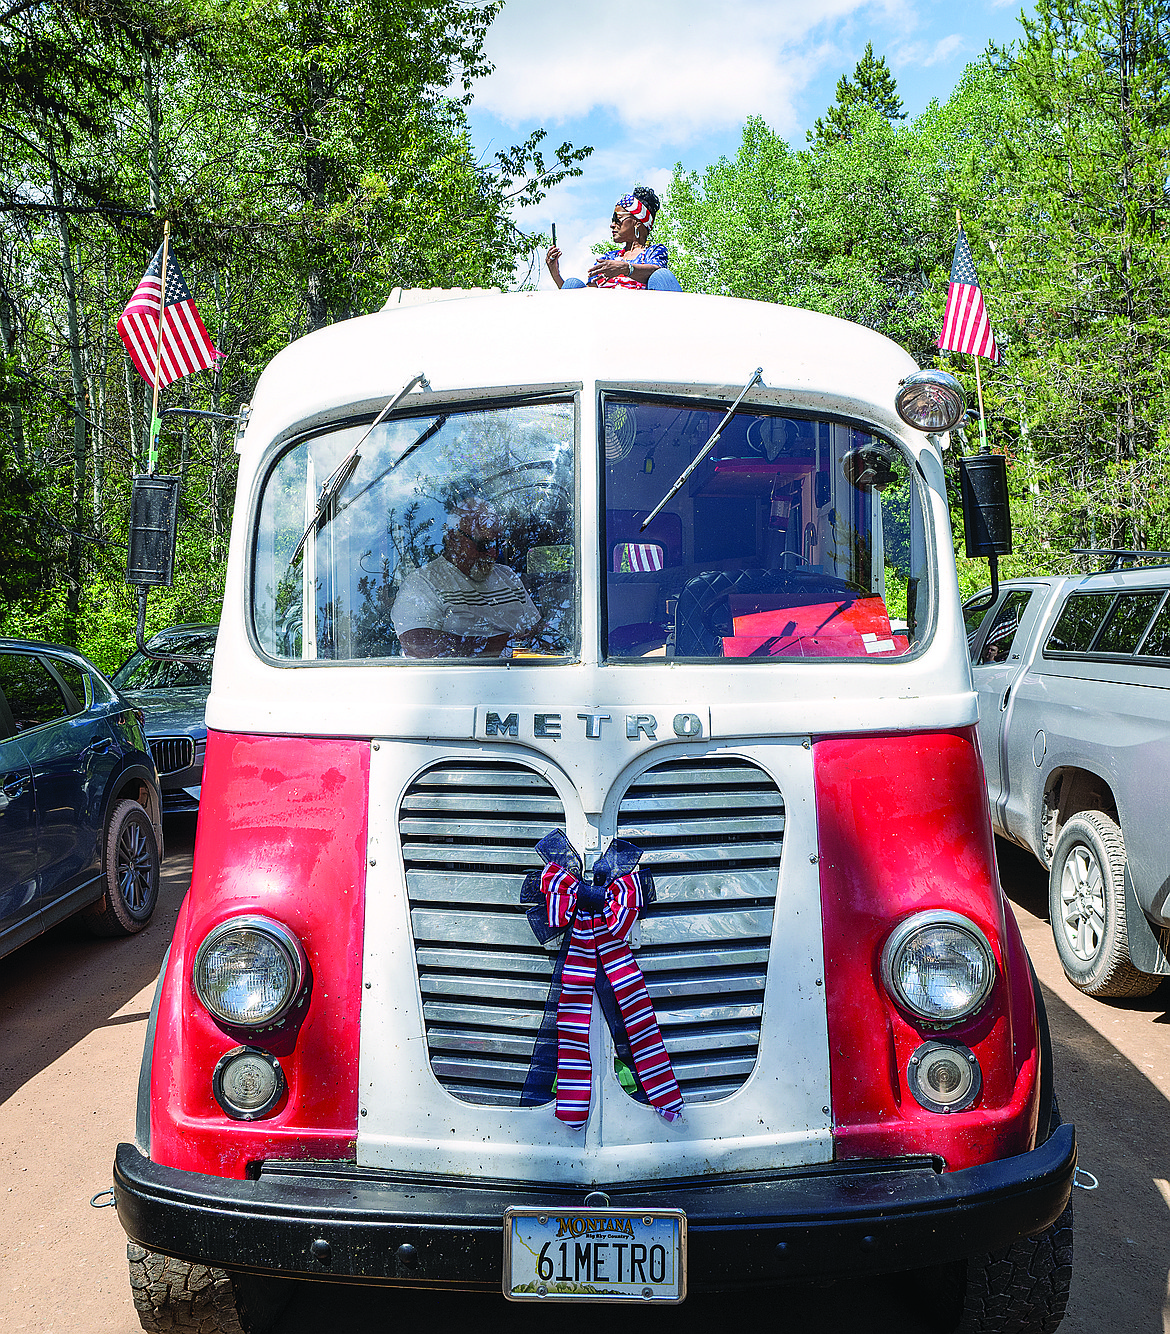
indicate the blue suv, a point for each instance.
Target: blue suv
{"x":80,"y":810}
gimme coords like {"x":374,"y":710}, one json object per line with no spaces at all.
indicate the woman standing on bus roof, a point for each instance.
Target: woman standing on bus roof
{"x":634,"y":263}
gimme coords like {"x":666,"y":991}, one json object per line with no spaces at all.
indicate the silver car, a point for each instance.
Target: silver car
{"x":173,"y":699}
{"x":1073,"y":676}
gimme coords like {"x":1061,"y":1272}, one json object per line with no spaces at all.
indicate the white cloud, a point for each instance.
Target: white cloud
{"x":907,"y":56}
{"x":944,"y":50}
{"x":692,"y":68}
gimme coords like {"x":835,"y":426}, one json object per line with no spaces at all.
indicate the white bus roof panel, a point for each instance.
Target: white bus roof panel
{"x":485,"y":341}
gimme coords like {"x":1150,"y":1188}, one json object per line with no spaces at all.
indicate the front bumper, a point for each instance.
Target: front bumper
{"x":337,"y":1221}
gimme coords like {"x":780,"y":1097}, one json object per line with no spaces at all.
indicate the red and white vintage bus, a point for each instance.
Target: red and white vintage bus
{"x":594,"y":892}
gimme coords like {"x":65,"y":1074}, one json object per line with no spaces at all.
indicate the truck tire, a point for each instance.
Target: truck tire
{"x":1086,"y":907}
{"x":176,"y":1296}
{"x":130,"y":870}
{"x":1023,"y":1288}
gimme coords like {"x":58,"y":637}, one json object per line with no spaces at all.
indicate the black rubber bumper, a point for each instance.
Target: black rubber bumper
{"x":337,"y":1221}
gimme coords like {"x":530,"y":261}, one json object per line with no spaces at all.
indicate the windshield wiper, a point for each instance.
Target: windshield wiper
{"x":702,"y":454}
{"x":344,"y":470}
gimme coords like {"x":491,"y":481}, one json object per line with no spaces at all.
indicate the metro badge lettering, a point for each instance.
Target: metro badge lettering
{"x":594,"y":726}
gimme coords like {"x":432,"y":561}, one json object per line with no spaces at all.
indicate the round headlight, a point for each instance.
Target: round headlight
{"x":931,"y":400}
{"x":249,"y":971}
{"x":939,"y":966}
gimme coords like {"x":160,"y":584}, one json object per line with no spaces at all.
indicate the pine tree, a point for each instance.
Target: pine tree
{"x":872,"y":87}
{"x":1076,"y":213}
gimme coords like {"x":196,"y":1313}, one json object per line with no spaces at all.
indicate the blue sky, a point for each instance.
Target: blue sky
{"x":674,"y":82}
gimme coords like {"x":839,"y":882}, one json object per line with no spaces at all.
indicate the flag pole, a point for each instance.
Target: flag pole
{"x":155,"y":423}
{"x":983,"y":446}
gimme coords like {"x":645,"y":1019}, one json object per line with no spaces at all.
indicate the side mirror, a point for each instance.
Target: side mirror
{"x":987,"y":520}
{"x":154,"y":517}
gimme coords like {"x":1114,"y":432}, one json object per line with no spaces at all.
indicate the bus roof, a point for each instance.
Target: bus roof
{"x":488,"y":340}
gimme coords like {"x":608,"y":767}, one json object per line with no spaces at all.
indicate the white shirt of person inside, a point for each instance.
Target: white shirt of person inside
{"x":463,"y":604}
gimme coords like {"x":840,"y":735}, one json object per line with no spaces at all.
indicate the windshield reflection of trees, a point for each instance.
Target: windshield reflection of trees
{"x":517,"y":460}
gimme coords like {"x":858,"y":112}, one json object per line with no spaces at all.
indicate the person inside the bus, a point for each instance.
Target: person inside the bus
{"x":634,"y":262}
{"x":463,"y":604}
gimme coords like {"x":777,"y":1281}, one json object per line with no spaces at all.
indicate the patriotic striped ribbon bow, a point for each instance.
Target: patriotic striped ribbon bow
{"x":599,"y":917}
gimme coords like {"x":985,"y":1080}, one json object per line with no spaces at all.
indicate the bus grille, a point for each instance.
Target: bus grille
{"x":711,"y":830}
{"x":172,"y":753}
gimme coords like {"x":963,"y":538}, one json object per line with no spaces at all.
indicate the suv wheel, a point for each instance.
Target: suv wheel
{"x":131,"y":872}
{"x":1086,"y":906}
{"x":175,"y":1295}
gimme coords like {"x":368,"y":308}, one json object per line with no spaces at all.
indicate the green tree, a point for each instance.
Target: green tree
{"x":363,"y":152}
{"x":310,"y":157}
{"x":860,"y":227}
{"x":872,"y":88}
{"x":1075,"y":214}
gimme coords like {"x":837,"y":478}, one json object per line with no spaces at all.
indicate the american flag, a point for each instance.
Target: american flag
{"x":186,"y":348}
{"x":636,"y":557}
{"x":966,"y":327}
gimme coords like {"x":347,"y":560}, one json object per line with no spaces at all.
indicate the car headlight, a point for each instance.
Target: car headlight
{"x":939,"y":966}
{"x":249,"y":971}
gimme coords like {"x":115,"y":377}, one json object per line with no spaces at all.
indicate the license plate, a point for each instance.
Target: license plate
{"x":600,"y":1255}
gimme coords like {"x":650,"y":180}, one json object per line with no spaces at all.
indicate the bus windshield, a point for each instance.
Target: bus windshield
{"x":793,"y":537}
{"x":452,"y":536}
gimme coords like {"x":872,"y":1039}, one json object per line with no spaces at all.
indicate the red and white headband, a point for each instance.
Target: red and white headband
{"x":637,"y":210}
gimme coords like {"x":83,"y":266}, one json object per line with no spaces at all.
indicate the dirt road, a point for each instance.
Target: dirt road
{"x":72,"y":1017}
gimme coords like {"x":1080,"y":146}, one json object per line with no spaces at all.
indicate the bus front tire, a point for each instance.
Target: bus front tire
{"x":177,"y":1297}
{"x":1023,"y":1288}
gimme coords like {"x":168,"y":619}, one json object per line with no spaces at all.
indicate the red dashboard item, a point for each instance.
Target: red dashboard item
{"x":823,"y":630}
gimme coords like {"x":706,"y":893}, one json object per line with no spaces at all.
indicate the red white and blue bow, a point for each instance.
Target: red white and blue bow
{"x":599,"y":917}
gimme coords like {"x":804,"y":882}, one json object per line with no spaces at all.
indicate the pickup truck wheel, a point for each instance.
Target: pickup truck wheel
{"x":1023,"y":1288}
{"x":1086,"y":906}
{"x":175,"y":1295}
{"x":130,"y":870}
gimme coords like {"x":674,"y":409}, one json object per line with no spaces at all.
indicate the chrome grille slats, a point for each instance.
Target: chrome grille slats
{"x":172,"y":754}
{"x":468,"y":834}
{"x":711,"y":831}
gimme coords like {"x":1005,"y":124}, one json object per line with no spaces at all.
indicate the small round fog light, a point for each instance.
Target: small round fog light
{"x":944,"y":1077}
{"x":247,"y":1083}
